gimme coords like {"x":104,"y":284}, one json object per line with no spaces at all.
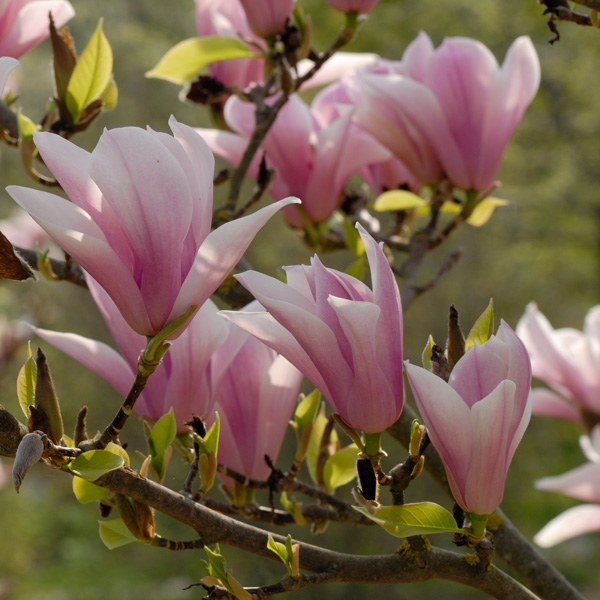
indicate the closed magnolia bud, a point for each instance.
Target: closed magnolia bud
{"x":28,"y":453}
{"x":46,"y":399}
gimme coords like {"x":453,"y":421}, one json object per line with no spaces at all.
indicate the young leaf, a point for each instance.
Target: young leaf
{"x":91,"y":75}
{"x":421,"y":518}
{"x":86,"y":491}
{"x":26,"y":127}
{"x":26,"y":383}
{"x":162,"y":434}
{"x":483,"y":328}
{"x":211,"y":439}
{"x":284,"y":551}
{"x":306,"y":411}
{"x":341,"y":467}
{"x":398,"y":200}
{"x":314,"y":445}
{"x":95,"y":463}
{"x":185,"y":60}
{"x":115,"y":533}
{"x":484,"y":210}
{"x":427,"y":353}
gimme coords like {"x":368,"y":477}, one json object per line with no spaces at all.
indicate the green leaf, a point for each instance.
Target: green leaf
{"x":314,"y":445}
{"x":484,"y":210}
{"x":211,"y":439}
{"x":215,"y":566}
{"x":115,"y":533}
{"x":162,"y":434}
{"x":119,"y":451}
{"x":398,"y":200}
{"x":26,"y":127}
{"x":86,"y":491}
{"x":483,"y":328}
{"x":428,"y":353}
{"x":91,"y":75}
{"x":422,"y":518}
{"x":284,"y":551}
{"x":306,"y":411}
{"x":185,"y":60}
{"x":95,"y":463}
{"x":341,"y":467}
{"x":26,"y":382}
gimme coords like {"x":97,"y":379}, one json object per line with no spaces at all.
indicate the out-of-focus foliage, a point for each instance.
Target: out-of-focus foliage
{"x":544,"y":246}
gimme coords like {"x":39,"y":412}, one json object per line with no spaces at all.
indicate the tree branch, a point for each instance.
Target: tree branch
{"x":348,"y":568}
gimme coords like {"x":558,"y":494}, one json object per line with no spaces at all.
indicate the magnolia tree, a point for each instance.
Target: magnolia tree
{"x":389,"y":159}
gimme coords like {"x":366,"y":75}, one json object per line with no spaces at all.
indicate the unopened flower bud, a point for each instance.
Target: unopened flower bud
{"x":46,"y":399}
{"x":28,"y":453}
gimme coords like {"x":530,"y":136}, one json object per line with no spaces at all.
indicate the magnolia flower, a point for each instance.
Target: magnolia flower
{"x":310,"y":161}
{"x":360,"y":6}
{"x":255,"y":398}
{"x":453,"y":110}
{"x":7,"y":64}
{"x":477,"y":419}
{"x":568,"y":361}
{"x":139,"y":221}
{"x":267,"y":17}
{"x":582,"y":483}
{"x":183,"y":379}
{"x":24,"y":23}
{"x":345,"y":337}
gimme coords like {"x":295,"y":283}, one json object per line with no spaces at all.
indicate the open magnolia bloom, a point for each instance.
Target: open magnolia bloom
{"x":139,"y":219}
{"x":477,"y":419}
{"x":183,"y":380}
{"x":567,"y":360}
{"x":345,"y":337}
{"x":311,"y":161}
{"x":582,"y":483}
{"x":452,"y":110}
{"x":256,"y":394}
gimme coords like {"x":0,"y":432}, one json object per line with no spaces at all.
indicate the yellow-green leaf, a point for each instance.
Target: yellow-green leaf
{"x":398,"y":200}
{"x":483,"y":328}
{"x":95,"y":463}
{"x":86,"y":491}
{"x":26,"y":127}
{"x":91,"y":75}
{"x":422,"y":518}
{"x":484,"y":210}
{"x":115,"y":533}
{"x":185,"y":60}
{"x":26,"y":383}
{"x":341,"y":467}
{"x":428,"y":353}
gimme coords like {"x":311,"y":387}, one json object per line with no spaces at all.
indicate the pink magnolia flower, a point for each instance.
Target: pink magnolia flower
{"x":568,"y":361}
{"x":21,"y":230}
{"x":345,"y":337}
{"x":453,"y":110}
{"x":310,"y":161}
{"x":477,"y":419}
{"x":255,"y":398}
{"x":582,"y":483}
{"x":360,"y":6}
{"x":339,"y":98}
{"x":183,"y":380}
{"x":139,"y":221}
{"x":267,"y":17}
{"x":24,"y":23}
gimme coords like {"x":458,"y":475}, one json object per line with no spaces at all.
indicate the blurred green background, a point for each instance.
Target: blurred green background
{"x":544,"y":247}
